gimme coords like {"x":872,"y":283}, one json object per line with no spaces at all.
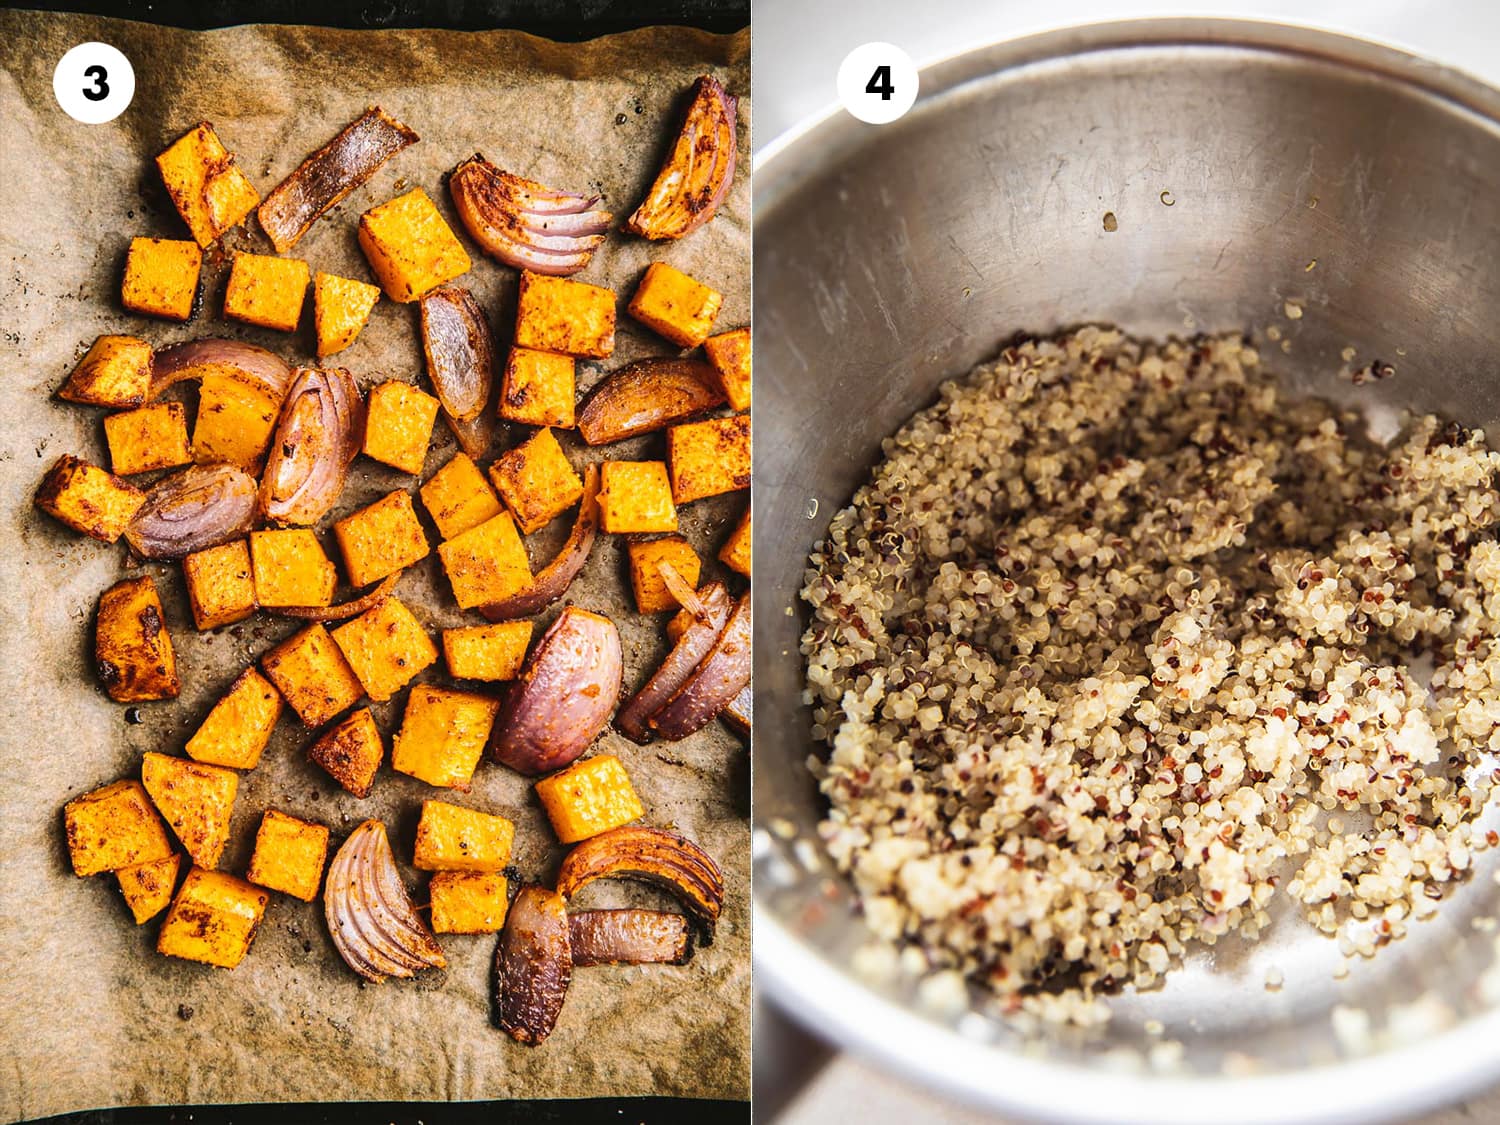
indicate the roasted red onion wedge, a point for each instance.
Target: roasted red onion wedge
{"x":698,"y":171}
{"x":523,"y":223}
{"x":330,"y":174}
{"x":533,"y":966}
{"x":563,"y":697}
{"x":344,"y":610}
{"x":475,"y":436}
{"x":653,"y":855}
{"x":196,"y":358}
{"x":695,"y":643}
{"x":321,"y":428}
{"x":192,"y":510}
{"x":681,"y":589}
{"x":553,"y":580}
{"x":460,"y":351}
{"x":713,"y":684}
{"x":371,"y":919}
{"x":628,"y":937}
{"x":649,"y":394}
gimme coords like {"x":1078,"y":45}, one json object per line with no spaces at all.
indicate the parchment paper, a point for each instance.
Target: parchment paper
{"x":92,"y":1015}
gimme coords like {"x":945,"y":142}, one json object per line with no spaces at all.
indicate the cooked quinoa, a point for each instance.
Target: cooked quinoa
{"x":1121,"y":640}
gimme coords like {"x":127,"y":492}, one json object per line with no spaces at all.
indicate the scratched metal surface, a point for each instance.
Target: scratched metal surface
{"x":888,"y":260}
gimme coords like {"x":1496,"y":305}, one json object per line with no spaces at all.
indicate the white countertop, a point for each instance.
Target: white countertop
{"x":798,"y":47}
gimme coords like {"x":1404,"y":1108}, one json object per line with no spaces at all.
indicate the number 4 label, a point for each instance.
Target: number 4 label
{"x":94,"y":83}
{"x":877,"y":83}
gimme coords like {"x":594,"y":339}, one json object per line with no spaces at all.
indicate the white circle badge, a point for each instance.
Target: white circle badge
{"x":877,"y":83}
{"x":94,"y":83}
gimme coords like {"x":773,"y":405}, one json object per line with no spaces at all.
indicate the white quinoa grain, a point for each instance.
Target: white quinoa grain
{"x":1117,"y":644}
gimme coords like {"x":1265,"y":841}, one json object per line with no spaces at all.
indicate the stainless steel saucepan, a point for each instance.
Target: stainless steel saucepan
{"x":1169,"y":177}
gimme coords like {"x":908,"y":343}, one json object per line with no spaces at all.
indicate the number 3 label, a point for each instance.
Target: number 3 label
{"x":94,"y":83}
{"x":877,"y":83}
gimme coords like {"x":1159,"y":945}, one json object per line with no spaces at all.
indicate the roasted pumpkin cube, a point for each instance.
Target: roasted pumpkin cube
{"x":266,"y":290}
{"x":220,"y":584}
{"x":235,"y":421}
{"x":557,"y":314}
{"x":291,"y":568}
{"x":114,"y":827}
{"x":646,"y":559}
{"x":739,"y":712}
{"x":486,"y":564}
{"x":398,"y":426}
{"x":635,"y":496}
{"x":195,"y":799}
{"x":537,"y":481}
{"x":147,"y":438}
{"x":289,"y":855}
{"x":386,"y":647}
{"x":729,"y":352}
{"x":351,"y":751}
{"x":442,"y":735}
{"x":341,"y":306}
{"x":115,"y":372}
{"x":591,"y":796}
{"x":468,"y":902}
{"x":132,"y":648}
{"x":539,"y":388}
{"x":211,"y":194}
{"x":458,"y":498}
{"x":735,"y":554}
{"x":678,"y":624}
{"x":453,"y":838}
{"x":88,"y":499}
{"x":148,"y":887}
{"x":312,"y":676}
{"x":161,"y":277}
{"x":410,"y":247}
{"x":708,"y":458}
{"x":213,"y":919}
{"x":380,"y":539}
{"x":487,"y":652}
{"x":235,"y":732}
{"x":672,"y":304}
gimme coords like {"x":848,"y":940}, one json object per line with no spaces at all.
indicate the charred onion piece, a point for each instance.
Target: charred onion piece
{"x":460,"y":351}
{"x":196,"y":358}
{"x":475,"y":436}
{"x":523,"y":223}
{"x":329,"y":174}
{"x":682,"y":590}
{"x":653,"y":855}
{"x":533,"y":966}
{"x":649,"y":394}
{"x":698,"y":171}
{"x":713,"y":684}
{"x":197,"y":508}
{"x":564,"y":696}
{"x":344,"y":610}
{"x":553,"y":580}
{"x":694,"y":644}
{"x":321,"y":428}
{"x":371,"y":918}
{"x":628,"y":937}
{"x":740,"y":711}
